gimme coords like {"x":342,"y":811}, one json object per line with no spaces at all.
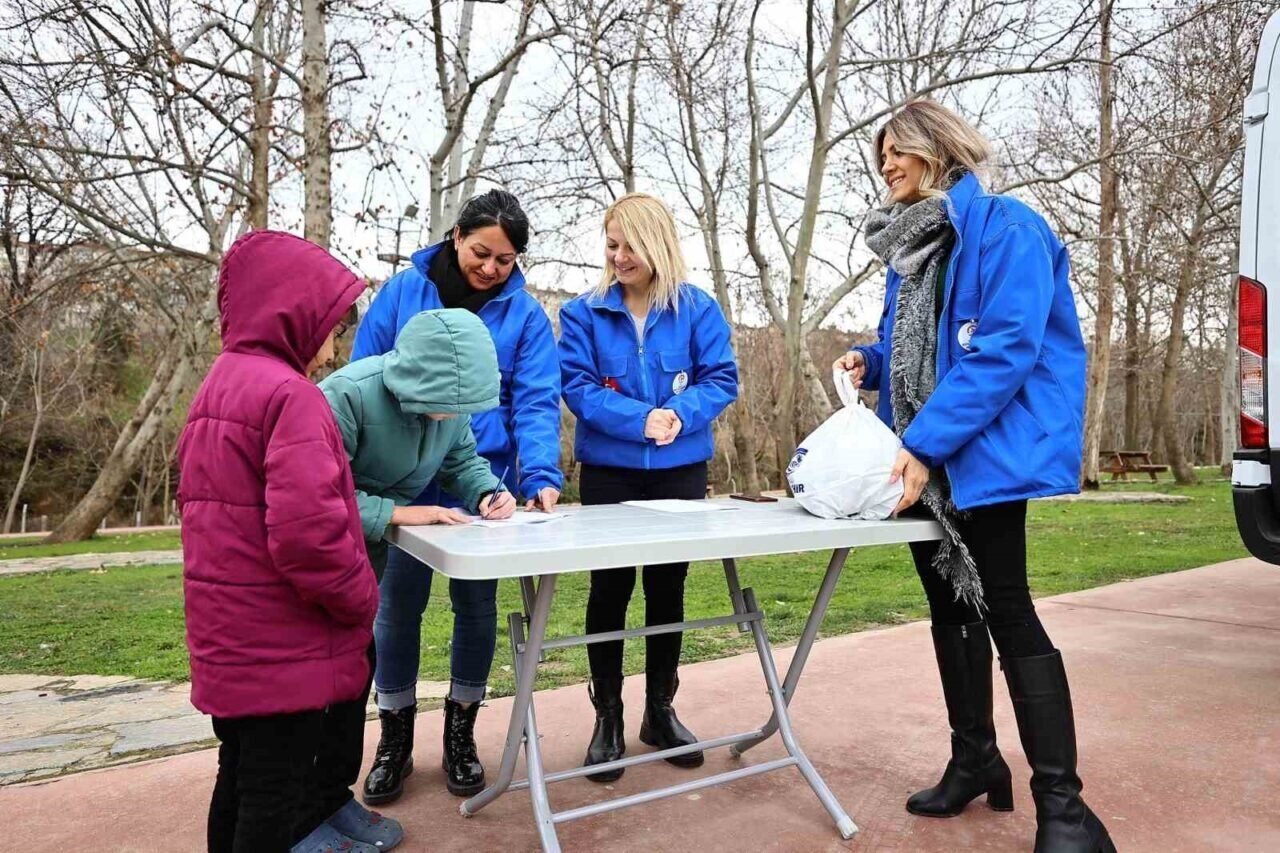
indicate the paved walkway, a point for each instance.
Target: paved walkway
{"x":106,"y":531}
{"x":1176,"y":682}
{"x":26,"y":565}
{"x":54,"y":725}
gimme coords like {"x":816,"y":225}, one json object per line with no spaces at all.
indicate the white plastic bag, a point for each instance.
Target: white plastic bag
{"x":842,"y":469}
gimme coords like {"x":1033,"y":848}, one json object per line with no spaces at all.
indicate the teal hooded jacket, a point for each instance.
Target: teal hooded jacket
{"x":443,"y":363}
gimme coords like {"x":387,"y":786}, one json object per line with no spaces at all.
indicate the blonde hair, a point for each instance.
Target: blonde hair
{"x":946,"y":143}
{"x":650,"y":231}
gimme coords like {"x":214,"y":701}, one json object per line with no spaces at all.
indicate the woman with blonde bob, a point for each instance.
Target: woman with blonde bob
{"x":647,"y":365}
{"x":980,"y":367}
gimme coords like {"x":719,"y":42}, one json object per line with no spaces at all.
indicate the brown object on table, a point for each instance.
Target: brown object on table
{"x":1121,"y":463}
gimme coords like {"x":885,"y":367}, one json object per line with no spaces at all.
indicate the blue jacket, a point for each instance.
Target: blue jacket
{"x":522,"y":435}
{"x":1006,"y":417}
{"x":613,"y":379}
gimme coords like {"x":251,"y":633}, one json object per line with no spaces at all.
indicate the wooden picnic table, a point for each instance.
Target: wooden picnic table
{"x":1121,"y":463}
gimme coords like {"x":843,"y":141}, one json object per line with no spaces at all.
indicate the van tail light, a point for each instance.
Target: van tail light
{"x":1253,"y":364}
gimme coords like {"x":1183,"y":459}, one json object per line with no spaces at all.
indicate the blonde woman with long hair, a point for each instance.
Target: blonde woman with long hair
{"x":980,"y":367}
{"x":647,"y":366}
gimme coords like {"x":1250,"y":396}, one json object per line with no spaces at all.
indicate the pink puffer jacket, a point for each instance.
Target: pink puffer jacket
{"x":280,"y":596}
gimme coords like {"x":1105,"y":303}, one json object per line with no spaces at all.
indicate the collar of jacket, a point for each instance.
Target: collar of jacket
{"x":960,"y":197}
{"x":421,"y":260}
{"x":613,"y":299}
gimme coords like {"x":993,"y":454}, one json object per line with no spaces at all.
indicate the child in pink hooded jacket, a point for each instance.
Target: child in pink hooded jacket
{"x":280,"y":596}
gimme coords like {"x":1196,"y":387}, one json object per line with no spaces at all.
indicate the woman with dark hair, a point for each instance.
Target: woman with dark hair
{"x":475,"y":269}
{"x":980,"y":369}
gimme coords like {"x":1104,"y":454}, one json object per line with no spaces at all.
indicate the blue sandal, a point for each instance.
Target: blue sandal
{"x":325,"y":839}
{"x":355,"y":821}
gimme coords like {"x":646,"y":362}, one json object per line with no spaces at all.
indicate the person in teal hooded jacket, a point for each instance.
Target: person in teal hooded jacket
{"x":405,"y":420}
{"x":476,"y":268}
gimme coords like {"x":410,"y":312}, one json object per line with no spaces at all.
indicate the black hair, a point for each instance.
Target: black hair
{"x":496,"y":207}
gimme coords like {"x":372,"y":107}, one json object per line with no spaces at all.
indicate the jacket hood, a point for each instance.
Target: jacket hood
{"x":280,"y":296}
{"x":444,"y":363}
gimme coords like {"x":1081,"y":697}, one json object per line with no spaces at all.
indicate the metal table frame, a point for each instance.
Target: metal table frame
{"x":529,"y":641}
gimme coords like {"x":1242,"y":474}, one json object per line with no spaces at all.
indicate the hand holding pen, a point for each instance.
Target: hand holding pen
{"x":499,"y":503}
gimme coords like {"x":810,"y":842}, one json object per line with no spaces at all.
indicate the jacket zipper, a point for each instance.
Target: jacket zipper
{"x":644,"y":376}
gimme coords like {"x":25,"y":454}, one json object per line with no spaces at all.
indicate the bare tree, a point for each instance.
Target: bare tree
{"x":704,"y":79}
{"x":317,"y":207}
{"x":1100,"y":360}
{"x":156,"y":168}
{"x":45,"y":391}
{"x":859,"y":63}
{"x":452,"y":169}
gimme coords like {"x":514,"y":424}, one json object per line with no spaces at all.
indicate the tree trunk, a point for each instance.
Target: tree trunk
{"x":37,"y":379}
{"x":1100,"y":363}
{"x":260,"y":133}
{"x":1132,"y":365}
{"x":317,"y":205}
{"x":1183,"y":471}
{"x":823,"y":102}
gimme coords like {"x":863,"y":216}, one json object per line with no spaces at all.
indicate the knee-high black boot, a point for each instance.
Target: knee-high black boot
{"x":607,"y":743}
{"x":976,"y":767}
{"x":1042,"y":704}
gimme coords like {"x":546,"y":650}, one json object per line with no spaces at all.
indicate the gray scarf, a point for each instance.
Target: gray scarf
{"x":916,"y":240}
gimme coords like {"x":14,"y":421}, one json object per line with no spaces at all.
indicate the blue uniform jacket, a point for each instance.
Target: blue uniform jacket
{"x":522,"y":435}
{"x":614,"y":377}
{"x":1006,"y":417}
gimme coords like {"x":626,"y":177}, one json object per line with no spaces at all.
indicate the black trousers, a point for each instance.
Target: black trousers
{"x":281,"y":776}
{"x":996,"y":536}
{"x":663,"y":585}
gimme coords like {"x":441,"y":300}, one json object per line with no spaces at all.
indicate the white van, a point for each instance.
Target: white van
{"x":1255,"y":472}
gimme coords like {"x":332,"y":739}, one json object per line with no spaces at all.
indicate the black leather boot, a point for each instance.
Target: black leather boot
{"x":661,"y":727}
{"x":463,"y":772}
{"x":1042,"y":704}
{"x":393,"y":761}
{"x":607,"y":743}
{"x":976,"y":767}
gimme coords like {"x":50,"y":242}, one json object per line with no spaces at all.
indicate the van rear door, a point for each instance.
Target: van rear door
{"x":1255,"y":471}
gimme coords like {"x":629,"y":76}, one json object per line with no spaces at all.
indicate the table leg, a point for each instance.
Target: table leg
{"x":782,"y":720}
{"x":541,"y":802}
{"x":526,"y":672}
{"x":801,"y":656}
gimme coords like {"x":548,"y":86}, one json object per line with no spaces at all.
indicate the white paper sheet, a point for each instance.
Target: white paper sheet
{"x":518,"y":518}
{"x":673,"y":505}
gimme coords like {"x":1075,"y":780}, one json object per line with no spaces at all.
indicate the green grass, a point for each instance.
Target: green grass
{"x":129,"y":621}
{"x":29,"y":547}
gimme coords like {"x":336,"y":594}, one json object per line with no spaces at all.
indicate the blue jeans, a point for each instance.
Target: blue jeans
{"x":397,"y":633}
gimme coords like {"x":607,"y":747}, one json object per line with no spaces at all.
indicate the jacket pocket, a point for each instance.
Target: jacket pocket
{"x":674,"y":376}
{"x":613,"y":366}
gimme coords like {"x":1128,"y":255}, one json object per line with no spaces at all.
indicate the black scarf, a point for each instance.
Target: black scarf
{"x":455,"y":292}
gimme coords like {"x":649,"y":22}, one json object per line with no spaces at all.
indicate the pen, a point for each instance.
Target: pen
{"x":502,"y":487}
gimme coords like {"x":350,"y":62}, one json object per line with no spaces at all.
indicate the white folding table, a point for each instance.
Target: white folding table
{"x":602,"y":537}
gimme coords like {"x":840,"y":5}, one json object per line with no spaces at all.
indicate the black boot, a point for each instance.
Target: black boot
{"x":607,"y":743}
{"x":1042,"y":704}
{"x":660,"y":726}
{"x":463,"y":772}
{"x":393,"y":762}
{"x":976,"y":767}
